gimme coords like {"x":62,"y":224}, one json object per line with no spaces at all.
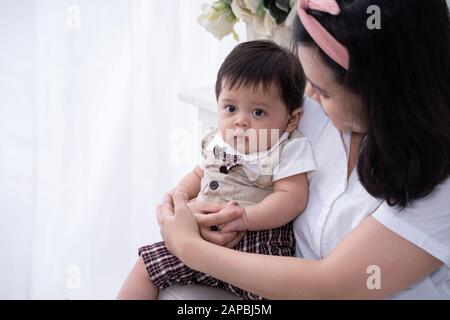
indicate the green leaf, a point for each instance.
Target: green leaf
{"x":231,"y":18}
{"x":235,"y":36}
{"x":260,"y":11}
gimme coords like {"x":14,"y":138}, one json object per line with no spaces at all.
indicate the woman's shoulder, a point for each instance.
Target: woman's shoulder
{"x":436,"y":204}
{"x":426,"y":222}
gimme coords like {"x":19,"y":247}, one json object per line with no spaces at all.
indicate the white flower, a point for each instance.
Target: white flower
{"x":264,"y":25}
{"x":220,"y":17}
{"x":217,"y":19}
{"x":292,"y":15}
{"x":245,"y":9}
{"x":252,"y":11}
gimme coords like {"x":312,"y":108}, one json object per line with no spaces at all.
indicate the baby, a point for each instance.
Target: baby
{"x":256,"y":157}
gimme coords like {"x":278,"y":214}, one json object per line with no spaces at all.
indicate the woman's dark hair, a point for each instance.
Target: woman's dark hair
{"x":401,"y":73}
{"x":264,"y":62}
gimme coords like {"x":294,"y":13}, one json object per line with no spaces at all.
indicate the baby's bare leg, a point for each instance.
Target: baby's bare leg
{"x":138,"y":285}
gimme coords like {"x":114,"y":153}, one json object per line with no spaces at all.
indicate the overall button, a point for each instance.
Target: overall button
{"x":213,"y":185}
{"x":223,"y":169}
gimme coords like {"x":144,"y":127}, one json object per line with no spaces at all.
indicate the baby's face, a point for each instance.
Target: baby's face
{"x":250,"y":119}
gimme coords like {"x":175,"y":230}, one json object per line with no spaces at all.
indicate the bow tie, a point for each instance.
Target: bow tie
{"x":229,"y":160}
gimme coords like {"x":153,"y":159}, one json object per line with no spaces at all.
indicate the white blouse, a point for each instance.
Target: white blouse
{"x":337,"y":205}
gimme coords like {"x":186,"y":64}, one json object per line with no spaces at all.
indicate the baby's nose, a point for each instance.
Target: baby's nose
{"x":242,"y":122}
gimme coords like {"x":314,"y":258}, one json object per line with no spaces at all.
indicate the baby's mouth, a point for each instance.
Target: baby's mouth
{"x":241,"y":138}
{"x":240,"y":134}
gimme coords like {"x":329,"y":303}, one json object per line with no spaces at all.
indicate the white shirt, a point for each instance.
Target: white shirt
{"x":336,"y":205}
{"x":296,"y":157}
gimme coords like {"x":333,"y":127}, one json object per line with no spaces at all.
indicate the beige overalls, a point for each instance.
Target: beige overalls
{"x":244,"y":186}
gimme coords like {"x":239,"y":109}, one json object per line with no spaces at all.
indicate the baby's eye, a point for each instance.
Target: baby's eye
{"x":258,"y":113}
{"x":230,"y":108}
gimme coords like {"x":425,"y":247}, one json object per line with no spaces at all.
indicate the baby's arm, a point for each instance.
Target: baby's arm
{"x":279,"y":208}
{"x":190,"y":184}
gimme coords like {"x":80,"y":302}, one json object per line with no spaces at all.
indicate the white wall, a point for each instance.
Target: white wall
{"x":89,"y":120}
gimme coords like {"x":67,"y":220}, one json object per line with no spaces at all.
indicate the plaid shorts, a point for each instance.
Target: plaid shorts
{"x":166,"y":270}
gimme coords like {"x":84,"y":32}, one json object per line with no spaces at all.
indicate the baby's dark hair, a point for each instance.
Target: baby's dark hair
{"x":264,"y":62}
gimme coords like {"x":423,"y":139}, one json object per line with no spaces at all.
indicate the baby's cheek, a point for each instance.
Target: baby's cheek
{"x":265,"y":141}
{"x":226,"y":133}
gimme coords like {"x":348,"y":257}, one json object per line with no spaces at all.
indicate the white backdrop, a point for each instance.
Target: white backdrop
{"x":89,"y":135}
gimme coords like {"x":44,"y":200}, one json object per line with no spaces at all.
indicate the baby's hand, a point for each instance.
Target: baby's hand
{"x":240,"y":224}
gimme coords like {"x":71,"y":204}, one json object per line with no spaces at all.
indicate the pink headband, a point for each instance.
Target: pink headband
{"x":320,"y":35}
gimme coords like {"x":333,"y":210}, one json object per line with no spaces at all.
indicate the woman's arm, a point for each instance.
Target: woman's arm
{"x":279,"y":208}
{"x":342,"y":275}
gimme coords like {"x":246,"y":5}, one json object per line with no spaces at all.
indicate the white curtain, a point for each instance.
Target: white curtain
{"x":92,"y":135}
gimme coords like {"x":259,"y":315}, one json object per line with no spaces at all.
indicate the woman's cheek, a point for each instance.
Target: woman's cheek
{"x":325,"y":107}
{"x":336,"y":117}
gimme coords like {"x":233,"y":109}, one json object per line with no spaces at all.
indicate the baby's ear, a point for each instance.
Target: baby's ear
{"x":294,"y":120}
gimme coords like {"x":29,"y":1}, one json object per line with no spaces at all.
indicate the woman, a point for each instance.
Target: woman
{"x":377,"y":223}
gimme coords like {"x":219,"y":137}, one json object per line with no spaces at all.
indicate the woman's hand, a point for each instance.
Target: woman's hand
{"x":210,"y":214}
{"x":178,"y":226}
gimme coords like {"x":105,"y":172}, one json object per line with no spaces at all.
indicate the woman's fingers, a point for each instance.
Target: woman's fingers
{"x":207,"y":207}
{"x":226,"y":239}
{"x":223,"y":216}
{"x":178,"y":226}
{"x":158,"y":213}
{"x":236,"y":240}
{"x":218,"y":238}
{"x":168,"y":199}
{"x":164,"y":209}
{"x":226,"y":228}
{"x":179,"y":201}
